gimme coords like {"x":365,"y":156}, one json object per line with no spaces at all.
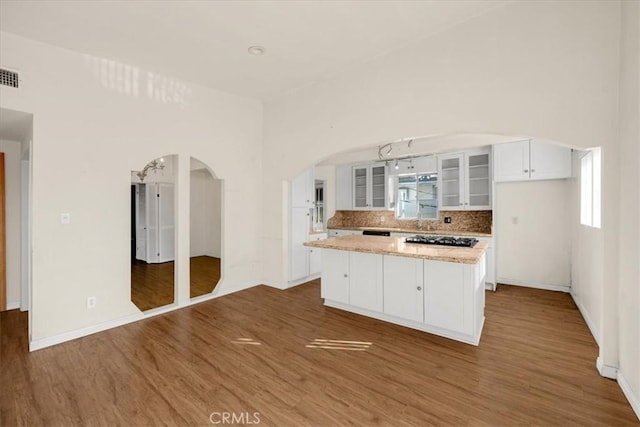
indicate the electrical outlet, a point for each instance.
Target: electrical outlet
{"x":447,"y":220}
{"x":91,"y":302}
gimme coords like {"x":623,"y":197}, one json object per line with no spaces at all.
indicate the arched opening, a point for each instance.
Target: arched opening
{"x":205,"y":229}
{"x":153,"y":234}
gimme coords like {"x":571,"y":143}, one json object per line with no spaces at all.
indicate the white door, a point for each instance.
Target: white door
{"x":334,"y":285}
{"x":365,"y":286}
{"x":343,"y":188}
{"x":141,"y":222}
{"x":302,"y":189}
{"x":300,"y":224}
{"x":166,"y":222}
{"x":403,"y":288}
{"x":550,"y":161}
{"x":511,"y":161}
{"x":315,"y":261}
{"x":151,"y":219}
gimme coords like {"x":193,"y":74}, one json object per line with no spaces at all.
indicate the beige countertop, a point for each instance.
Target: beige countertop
{"x":416,"y":231}
{"x":397,"y":246}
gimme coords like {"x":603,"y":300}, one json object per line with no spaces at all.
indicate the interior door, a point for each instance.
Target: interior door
{"x":141,"y":222}
{"x":166,"y":222}
{"x":152,"y":252}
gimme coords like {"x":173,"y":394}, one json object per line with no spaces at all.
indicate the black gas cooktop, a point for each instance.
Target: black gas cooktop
{"x":466,"y":242}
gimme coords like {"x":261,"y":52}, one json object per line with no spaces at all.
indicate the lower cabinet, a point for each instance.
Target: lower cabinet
{"x":448,"y":296}
{"x":403,"y":279}
{"x":444,"y":298}
{"x":365,"y":284}
{"x":335,"y":276}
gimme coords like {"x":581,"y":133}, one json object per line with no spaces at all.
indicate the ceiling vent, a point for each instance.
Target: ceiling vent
{"x":9,"y":78}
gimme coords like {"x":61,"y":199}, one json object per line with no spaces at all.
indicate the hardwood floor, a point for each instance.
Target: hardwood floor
{"x":152,"y":285}
{"x":295,"y":362}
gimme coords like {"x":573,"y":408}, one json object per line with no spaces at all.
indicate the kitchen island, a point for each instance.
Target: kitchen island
{"x":431,"y":288}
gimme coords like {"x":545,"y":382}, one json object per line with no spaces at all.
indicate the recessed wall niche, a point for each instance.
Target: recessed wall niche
{"x":206,"y":195}
{"x":153,"y":233}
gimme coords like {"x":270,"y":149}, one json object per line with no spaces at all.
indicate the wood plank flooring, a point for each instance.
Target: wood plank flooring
{"x":295,"y":362}
{"x":152,"y":285}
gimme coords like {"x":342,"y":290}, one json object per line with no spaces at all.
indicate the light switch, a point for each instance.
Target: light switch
{"x":65,"y":218}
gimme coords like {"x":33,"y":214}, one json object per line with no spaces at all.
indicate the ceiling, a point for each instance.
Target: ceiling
{"x":206,"y":42}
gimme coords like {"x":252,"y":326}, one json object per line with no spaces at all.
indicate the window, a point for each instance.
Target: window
{"x":417,"y":196}
{"x":590,"y":188}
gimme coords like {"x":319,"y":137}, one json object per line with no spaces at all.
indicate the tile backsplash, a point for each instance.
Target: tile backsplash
{"x":471,"y":221}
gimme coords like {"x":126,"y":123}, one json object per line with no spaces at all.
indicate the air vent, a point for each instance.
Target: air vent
{"x":9,"y":78}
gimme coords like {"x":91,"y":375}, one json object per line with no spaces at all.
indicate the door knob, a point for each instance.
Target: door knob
{"x":345,"y":275}
{"x":419,"y":288}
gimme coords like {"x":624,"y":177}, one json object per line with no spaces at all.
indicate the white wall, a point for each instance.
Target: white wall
{"x":587,"y":255}
{"x":541,"y":69}
{"x":629,"y":208}
{"x":533,"y":234}
{"x":95,"y":121}
{"x":12,"y":153}
{"x":206,"y":205}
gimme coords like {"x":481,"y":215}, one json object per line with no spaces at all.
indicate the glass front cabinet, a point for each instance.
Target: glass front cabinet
{"x":369,"y":186}
{"x":465,"y":180}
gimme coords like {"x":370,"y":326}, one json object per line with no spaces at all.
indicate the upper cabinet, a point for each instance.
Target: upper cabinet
{"x":531,"y":160}
{"x":465,"y":180}
{"x":303,"y":190}
{"x":369,"y":186}
{"x":344,"y":198}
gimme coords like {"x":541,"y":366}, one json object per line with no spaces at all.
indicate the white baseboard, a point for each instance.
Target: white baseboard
{"x":83,"y":332}
{"x":544,"y":286}
{"x":13,"y":305}
{"x":586,"y":317}
{"x":606,"y":371}
{"x":634,"y":400}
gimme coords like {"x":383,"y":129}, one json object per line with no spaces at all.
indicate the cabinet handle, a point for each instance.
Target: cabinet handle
{"x":419,"y":288}
{"x":345,"y":275}
{"x":526,"y":171}
{"x":533,"y":170}
{"x":460,"y":203}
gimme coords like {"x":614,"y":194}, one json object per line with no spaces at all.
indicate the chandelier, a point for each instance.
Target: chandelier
{"x":153,"y":166}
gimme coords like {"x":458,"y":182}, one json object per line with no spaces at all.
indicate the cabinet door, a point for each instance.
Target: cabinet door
{"x":451,"y":178}
{"x":365,"y":284}
{"x":141,"y":222}
{"x":550,"y":161}
{"x":302,"y":188}
{"x":378,"y":187}
{"x":403,"y":288}
{"x":448,"y":297}
{"x":344,"y":200}
{"x":478,"y":180}
{"x":334,"y":285}
{"x":315,"y":254}
{"x":300,"y":223}
{"x":360,"y":187}
{"x":151,"y":200}
{"x":511,"y":161}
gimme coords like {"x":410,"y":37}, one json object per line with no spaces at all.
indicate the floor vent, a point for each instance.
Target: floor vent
{"x":9,"y":78}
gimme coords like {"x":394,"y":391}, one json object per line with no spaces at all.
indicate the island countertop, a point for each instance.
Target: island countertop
{"x":416,"y":231}
{"x":397,"y":246}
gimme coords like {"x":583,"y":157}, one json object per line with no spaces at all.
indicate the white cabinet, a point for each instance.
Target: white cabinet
{"x":531,"y":160}
{"x":335,"y":276}
{"x":369,"y":186}
{"x":414,"y":165}
{"x":454,"y":296}
{"x":448,"y":302}
{"x":302,"y":190}
{"x":344,"y":198}
{"x":403,"y":278}
{"x":300,"y":223}
{"x":365,"y":284}
{"x":155,"y":222}
{"x":315,"y":255}
{"x":465,"y":180}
